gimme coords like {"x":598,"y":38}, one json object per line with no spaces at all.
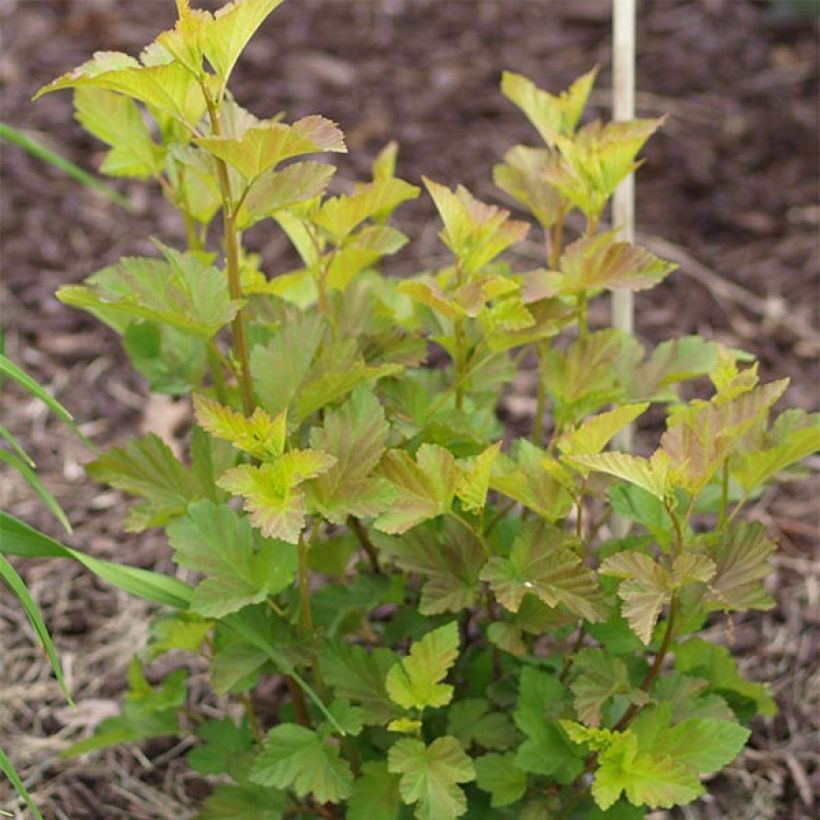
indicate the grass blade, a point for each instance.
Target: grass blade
{"x":10,"y":772}
{"x":18,"y":538}
{"x":36,"y":149}
{"x":15,"y":583}
{"x":31,"y":479}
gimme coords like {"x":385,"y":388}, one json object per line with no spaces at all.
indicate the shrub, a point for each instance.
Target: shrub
{"x":456,"y":627}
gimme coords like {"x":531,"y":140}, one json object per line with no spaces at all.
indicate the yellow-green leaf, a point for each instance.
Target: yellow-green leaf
{"x":259,"y":435}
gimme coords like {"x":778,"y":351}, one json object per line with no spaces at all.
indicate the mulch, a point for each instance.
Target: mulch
{"x":728,"y":191}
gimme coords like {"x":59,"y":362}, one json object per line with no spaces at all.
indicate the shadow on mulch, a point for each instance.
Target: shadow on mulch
{"x":728,"y":191}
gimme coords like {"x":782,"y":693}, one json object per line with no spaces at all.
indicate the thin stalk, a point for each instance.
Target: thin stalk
{"x":253,"y":720}
{"x":305,"y":610}
{"x":366,"y":544}
{"x":724,"y":494}
{"x":677,"y":547}
{"x":240,"y":339}
{"x":556,"y":239}
{"x":458,"y":332}
{"x":498,"y":516}
{"x":569,"y":659}
{"x":583,"y":316}
{"x":217,"y":373}
{"x":579,"y":520}
{"x":540,"y":399}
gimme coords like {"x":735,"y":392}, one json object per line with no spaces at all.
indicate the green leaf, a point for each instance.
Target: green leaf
{"x":552,"y":116}
{"x":528,"y":482}
{"x":233,"y":26}
{"x":596,"y":262}
{"x":264,"y":146}
{"x":449,"y":560}
{"x":167,"y":86}
{"x":595,"y":432}
{"x":521,"y":177}
{"x":475,"y":232}
{"x":658,"y":782}
{"x":542,"y":562}
{"x":248,"y":802}
{"x":177,"y":630}
{"x":715,"y":664}
{"x":340,"y":215}
{"x":425,"y":486}
{"x":294,"y":757}
{"x":21,"y":539}
{"x":276,"y":190}
{"x":751,"y":470}
{"x":233,"y":664}
{"x":15,"y":583}
{"x":271,"y":491}
{"x":179,"y":291}
{"x":742,"y":557}
{"x":226,"y":748}
{"x":704,"y":745}
{"x":117,"y":121}
{"x":416,"y":681}
{"x":359,"y":675}
{"x":700,"y":438}
{"x":280,"y":368}
{"x":259,"y":435}
{"x":375,"y":794}
{"x":672,"y":361}
{"x":430,"y":774}
{"x":355,"y":435}
{"x":602,"y":676}
{"x":474,"y":482}
{"x":359,"y":251}
{"x":214,"y":540}
{"x":651,"y":474}
{"x":639,"y":505}
{"x":498,"y":775}
{"x":547,"y":750}
{"x":471,"y":720}
{"x":646,"y":590}
{"x":147,"y":468}
{"x":14,"y":371}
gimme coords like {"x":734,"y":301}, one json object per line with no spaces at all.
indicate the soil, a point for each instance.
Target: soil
{"x":728,"y":191}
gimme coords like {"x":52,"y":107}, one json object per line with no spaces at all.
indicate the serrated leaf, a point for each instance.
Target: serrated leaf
{"x":751,"y":470}
{"x":471,"y":720}
{"x":341,"y":215}
{"x":280,"y":367}
{"x":360,"y":251}
{"x":232,"y":27}
{"x":672,"y":361}
{"x":425,"y":486}
{"x":449,"y":561}
{"x":742,"y":556}
{"x":525,"y":480}
{"x":375,"y":794}
{"x":715,"y":664}
{"x":498,"y":775}
{"x":552,"y":116}
{"x":271,"y":491}
{"x":699,"y":439}
{"x":705,"y":745}
{"x":416,"y":681}
{"x":179,"y":291}
{"x":651,"y":474}
{"x":259,"y":435}
{"x":177,"y":630}
{"x":214,"y":540}
{"x":595,"y":432}
{"x":168,"y":86}
{"x":602,"y":676}
{"x":234,"y":664}
{"x":430,"y":774}
{"x":358,"y":675}
{"x":117,"y":121}
{"x":543,"y":563}
{"x":596,"y":262}
{"x":355,"y":435}
{"x":295,"y":757}
{"x":637,"y":504}
{"x":646,"y":590}
{"x":226,"y":747}
{"x":147,"y":468}
{"x":475,"y":232}
{"x":657,"y":782}
{"x":547,"y":750}
{"x":263,"y":147}
{"x":474,"y":482}
{"x":521,"y":177}
{"x":276,"y":190}
{"x":248,"y":802}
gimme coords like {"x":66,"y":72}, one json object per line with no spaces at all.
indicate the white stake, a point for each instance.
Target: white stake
{"x":624,"y":24}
